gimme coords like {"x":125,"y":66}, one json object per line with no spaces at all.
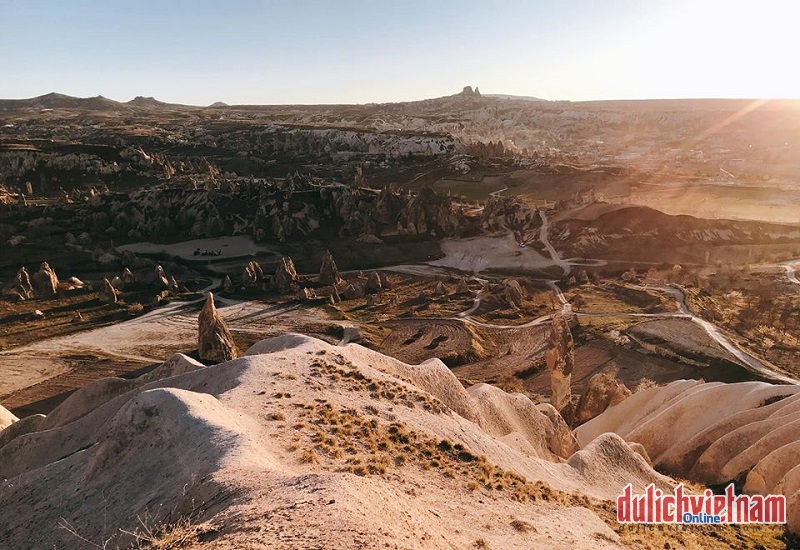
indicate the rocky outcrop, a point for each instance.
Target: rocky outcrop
{"x":127,"y":277}
{"x":227,"y":284}
{"x":45,"y":281}
{"x":604,"y":391}
{"x":561,"y":440}
{"x":214,"y":340}
{"x":429,"y":214}
{"x":713,"y":433}
{"x":161,"y":278}
{"x":462,"y":287}
{"x":513,"y":293}
{"x":285,"y":279}
{"x":328,"y":272}
{"x":108,"y":293}
{"x":374,"y":283}
{"x":23,"y":283}
{"x":560,"y":357}
{"x":354,"y":291}
{"x":21,"y":288}
{"x":253,"y":276}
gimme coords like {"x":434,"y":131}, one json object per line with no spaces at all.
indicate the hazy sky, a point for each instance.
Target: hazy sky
{"x":357,"y":51}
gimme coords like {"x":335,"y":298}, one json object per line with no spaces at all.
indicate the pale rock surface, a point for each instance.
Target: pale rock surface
{"x":218,"y":439}
{"x":6,"y":418}
{"x":714,"y":433}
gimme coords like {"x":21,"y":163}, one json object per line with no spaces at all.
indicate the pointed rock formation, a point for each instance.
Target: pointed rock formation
{"x":603,"y":392}
{"x":127,"y":277}
{"x":227,"y":284}
{"x":22,"y":284}
{"x":328,"y":272}
{"x":45,"y":281}
{"x":374,"y":283}
{"x":285,"y":278}
{"x":304,"y":294}
{"x":214,"y":340}
{"x":161,"y":277}
{"x":253,"y":275}
{"x":560,"y":357}
{"x":462,"y":287}
{"x":108,"y":293}
{"x":440,"y":289}
{"x":513,"y":293}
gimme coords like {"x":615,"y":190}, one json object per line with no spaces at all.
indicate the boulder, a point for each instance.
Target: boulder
{"x":214,"y":340}
{"x":560,"y":357}
{"x":45,"y":281}
{"x":603,"y":392}
{"x":328,"y":272}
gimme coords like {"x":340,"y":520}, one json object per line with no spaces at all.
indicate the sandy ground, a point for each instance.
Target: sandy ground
{"x":146,"y":339}
{"x":479,"y":254}
{"x":19,"y":372}
{"x":231,"y":247}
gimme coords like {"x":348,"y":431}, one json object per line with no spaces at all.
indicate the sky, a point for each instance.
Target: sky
{"x":361,"y":51}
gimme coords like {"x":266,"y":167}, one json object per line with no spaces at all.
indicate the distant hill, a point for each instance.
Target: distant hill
{"x":514,"y":97}
{"x":146,"y":102}
{"x":55,"y":100}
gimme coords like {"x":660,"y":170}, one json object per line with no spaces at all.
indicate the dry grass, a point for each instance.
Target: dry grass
{"x":344,"y":374}
{"x":181,"y":534}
